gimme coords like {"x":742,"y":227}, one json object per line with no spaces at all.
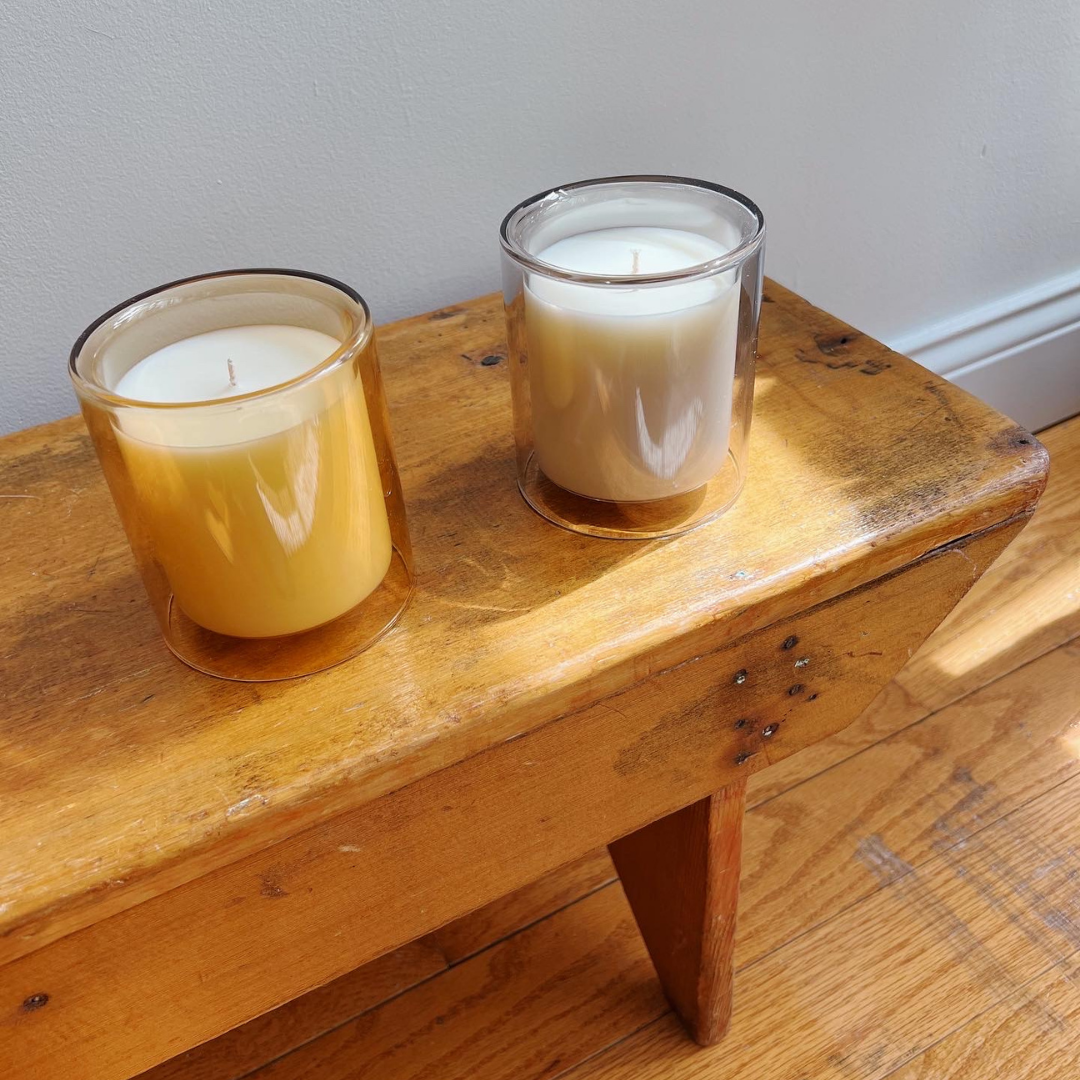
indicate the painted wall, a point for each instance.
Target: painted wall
{"x":914,"y":160}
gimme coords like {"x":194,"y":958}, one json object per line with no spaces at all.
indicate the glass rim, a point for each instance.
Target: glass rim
{"x":348,"y":348}
{"x":730,"y":259}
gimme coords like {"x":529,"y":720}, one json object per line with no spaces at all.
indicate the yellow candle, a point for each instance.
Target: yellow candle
{"x":267,"y":515}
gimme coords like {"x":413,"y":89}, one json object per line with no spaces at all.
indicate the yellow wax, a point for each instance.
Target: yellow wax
{"x":276,"y":527}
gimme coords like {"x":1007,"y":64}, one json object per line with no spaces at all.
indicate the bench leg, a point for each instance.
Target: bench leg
{"x":681,"y":876}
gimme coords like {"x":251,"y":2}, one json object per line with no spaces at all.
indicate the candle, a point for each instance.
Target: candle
{"x":631,"y":388}
{"x":266,"y":516}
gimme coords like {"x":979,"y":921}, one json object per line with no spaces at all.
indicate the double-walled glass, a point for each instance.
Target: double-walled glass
{"x":269,"y":527}
{"x":632,"y":310}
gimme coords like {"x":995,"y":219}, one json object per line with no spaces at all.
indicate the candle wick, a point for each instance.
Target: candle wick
{"x":232,"y":372}
{"x":637,"y":262}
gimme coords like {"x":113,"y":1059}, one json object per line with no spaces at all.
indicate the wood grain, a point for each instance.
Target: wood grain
{"x":1025,"y":605}
{"x":535,"y":1005}
{"x":1029,"y":602}
{"x":811,"y":852}
{"x":144,"y":776}
{"x":1036,"y":1043}
{"x":240,"y":1051}
{"x":681,"y":876}
{"x":1033,"y":1035}
{"x":939,"y":782}
{"x":503,"y":917}
{"x":247,"y":937}
{"x":862,"y":993}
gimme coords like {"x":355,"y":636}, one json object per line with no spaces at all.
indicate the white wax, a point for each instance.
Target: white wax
{"x":639,"y":251}
{"x":198,"y":368}
{"x":631,"y":387}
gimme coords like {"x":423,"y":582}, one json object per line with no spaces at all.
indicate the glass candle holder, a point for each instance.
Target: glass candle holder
{"x":240,"y":421}
{"x":632,"y":308}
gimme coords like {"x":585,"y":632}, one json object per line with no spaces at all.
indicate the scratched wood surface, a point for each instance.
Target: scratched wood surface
{"x":125,"y":774}
{"x":909,"y":909}
{"x":278,"y":922}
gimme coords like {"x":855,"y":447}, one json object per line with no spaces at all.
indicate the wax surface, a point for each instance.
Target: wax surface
{"x":631,"y":388}
{"x":641,"y":251}
{"x":198,"y":368}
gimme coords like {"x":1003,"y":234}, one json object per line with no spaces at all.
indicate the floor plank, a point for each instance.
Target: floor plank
{"x":238,"y":1052}
{"x":534,"y":1005}
{"x":503,"y":917}
{"x":865,"y":991}
{"x":1033,"y":1035}
{"x":816,"y":849}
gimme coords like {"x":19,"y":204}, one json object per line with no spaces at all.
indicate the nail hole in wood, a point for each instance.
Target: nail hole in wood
{"x":490,"y":361}
{"x":741,"y":723}
{"x":790,"y":643}
{"x":35,"y":1001}
{"x":740,"y":677}
{"x":812,"y":697}
{"x":796,"y":689}
{"x":743,"y":758}
{"x":770,"y":731}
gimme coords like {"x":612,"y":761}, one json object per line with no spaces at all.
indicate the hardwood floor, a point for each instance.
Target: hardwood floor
{"x":910,"y":903}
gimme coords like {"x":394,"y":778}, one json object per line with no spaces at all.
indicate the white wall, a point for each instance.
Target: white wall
{"x":914,"y":159}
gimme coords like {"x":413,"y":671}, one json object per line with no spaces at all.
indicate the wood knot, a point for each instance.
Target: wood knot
{"x":35,"y":1001}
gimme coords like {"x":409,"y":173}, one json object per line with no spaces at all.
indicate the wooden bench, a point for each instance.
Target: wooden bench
{"x":180,"y":854}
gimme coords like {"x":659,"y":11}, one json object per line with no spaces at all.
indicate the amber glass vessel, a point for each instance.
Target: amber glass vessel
{"x":268,"y":526}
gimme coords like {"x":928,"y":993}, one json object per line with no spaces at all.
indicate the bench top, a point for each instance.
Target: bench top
{"x":124,"y":773}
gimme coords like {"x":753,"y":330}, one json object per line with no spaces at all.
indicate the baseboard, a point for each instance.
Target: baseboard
{"x":1020,"y":353}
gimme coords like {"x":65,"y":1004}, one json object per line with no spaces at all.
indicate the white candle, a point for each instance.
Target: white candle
{"x":631,"y":388}
{"x":266,"y":516}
